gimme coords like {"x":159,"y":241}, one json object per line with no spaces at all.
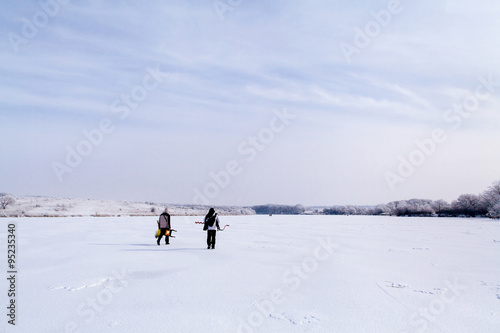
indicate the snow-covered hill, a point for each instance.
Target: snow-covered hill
{"x":57,"y":207}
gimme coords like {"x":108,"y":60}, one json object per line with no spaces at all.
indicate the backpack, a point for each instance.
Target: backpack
{"x":211,"y":220}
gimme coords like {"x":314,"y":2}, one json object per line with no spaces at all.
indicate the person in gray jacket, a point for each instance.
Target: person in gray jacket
{"x":164,"y":225}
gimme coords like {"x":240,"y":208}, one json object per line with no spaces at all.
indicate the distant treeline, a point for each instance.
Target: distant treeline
{"x":486,"y":204}
{"x":279,"y":209}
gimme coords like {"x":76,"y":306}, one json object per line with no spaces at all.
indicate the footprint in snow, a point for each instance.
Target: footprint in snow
{"x":493,"y":287}
{"x":414,"y":249}
{"x":396,"y":285}
{"x":84,"y":286}
{"x":436,"y":291}
{"x":309,"y":319}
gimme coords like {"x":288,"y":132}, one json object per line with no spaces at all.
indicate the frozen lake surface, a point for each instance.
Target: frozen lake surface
{"x":267,"y":274}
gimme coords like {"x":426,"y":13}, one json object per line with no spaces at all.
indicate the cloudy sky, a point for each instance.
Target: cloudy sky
{"x":316,"y":102}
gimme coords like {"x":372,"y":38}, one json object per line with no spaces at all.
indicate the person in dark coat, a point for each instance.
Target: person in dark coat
{"x":211,"y":225}
{"x":164,"y":225}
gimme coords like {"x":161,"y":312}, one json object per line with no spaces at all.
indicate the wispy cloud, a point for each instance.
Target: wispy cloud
{"x":225,"y":78}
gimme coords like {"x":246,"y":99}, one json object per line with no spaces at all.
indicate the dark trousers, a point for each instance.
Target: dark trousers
{"x":162,"y":233}
{"x":211,"y":238}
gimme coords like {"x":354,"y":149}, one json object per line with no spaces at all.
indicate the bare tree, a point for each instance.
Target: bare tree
{"x":466,"y":202}
{"x":495,"y":188}
{"x":492,"y":195}
{"x":440,"y":206}
{"x":469,"y":204}
{"x":494,"y":211}
{"x":6,"y":200}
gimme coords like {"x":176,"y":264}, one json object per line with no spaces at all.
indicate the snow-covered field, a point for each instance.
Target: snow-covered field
{"x":267,"y":274}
